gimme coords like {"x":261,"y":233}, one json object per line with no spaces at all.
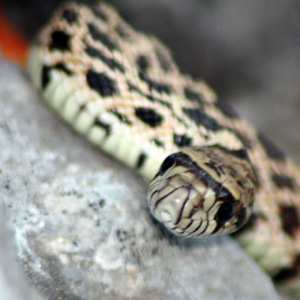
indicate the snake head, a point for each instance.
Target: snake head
{"x":203,"y":191}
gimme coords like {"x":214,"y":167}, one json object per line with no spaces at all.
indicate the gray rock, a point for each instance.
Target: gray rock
{"x":82,"y":229}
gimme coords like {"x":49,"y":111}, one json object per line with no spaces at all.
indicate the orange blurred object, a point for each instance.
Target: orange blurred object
{"x":13,"y":45}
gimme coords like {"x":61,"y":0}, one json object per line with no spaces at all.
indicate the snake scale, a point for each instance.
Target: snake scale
{"x":122,"y":90}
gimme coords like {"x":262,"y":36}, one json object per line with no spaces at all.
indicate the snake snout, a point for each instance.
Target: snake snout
{"x":180,"y":201}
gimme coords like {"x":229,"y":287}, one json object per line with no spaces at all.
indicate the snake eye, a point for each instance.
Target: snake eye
{"x":225,"y":212}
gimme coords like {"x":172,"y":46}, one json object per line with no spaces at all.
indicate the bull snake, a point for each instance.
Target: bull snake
{"x":122,"y":90}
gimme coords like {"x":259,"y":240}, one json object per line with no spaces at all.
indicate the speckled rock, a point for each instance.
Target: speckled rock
{"x":81,"y":226}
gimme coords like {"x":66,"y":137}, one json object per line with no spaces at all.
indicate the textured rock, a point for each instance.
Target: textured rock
{"x":82,"y":228}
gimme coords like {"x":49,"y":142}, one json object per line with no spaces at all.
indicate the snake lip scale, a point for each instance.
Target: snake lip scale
{"x":209,"y":171}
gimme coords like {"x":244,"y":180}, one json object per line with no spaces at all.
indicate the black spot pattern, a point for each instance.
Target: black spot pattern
{"x":182,"y":140}
{"x":201,"y":118}
{"x":289,"y":219}
{"x":271,"y":149}
{"x":104,"y":126}
{"x":283,"y":181}
{"x":101,"y":37}
{"x":141,"y":160}
{"x":153,"y":85}
{"x":101,"y":83}
{"x":151,"y":98}
{"x":142,"y":63}
{"x":241,"y":153}
{"x":288,"y":273}
{"x":121,"y":117}
{"x":158,"y":143}
{"x":192,"y":95}
{"x":45,"y":76}
{"x":149,"y":116}
{"x":60,"y":40}
{"x":46,"y":73}
{"x":111,"y":63}
{"x":70,"y":16}
{"x":62,"y":67}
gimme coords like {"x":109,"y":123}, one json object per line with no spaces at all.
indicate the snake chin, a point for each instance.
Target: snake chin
{"x":193,"y":200}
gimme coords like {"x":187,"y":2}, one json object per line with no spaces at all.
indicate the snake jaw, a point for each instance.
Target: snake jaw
{"x":191,"y":201}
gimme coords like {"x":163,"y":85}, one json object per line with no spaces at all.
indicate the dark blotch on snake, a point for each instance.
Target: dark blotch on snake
{"x":62,"y":67}
{"x":158,"y":143}
{"x":121,"y":117}
{"x":60,"y":41}
{"x":153,"y":85}
{"x":283,"y":181}
{"x":182,"y":140}
{"x":45,"y":76}
{"x":149,"y":116}
{"x":111,"y":63}
{"x":201,"y":118}
{"x":240,"y":153}
{"x":46,"y":73}
{"x":101,"y":83}
{"x":167,"y":163}
{"x":288,"y":273}
{"x":192,"y":95}
{"x":150,"y":97}
{"x":106,"y":127}
{"x":141,"y":160}
{"x":70,"y":16}
{"x":101,"y":37}
{"x":142,"y":63}
{"x":289,"y":219}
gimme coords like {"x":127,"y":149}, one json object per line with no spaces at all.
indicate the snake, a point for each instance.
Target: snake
{"x":210,"y":172}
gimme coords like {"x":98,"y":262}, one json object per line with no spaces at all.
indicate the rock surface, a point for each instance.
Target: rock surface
{"x":81,"y":226}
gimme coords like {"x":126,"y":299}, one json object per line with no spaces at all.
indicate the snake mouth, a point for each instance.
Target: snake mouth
{"x":190,"y":202}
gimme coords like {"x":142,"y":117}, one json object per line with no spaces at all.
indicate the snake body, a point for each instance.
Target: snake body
{"x":122,"y":90}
